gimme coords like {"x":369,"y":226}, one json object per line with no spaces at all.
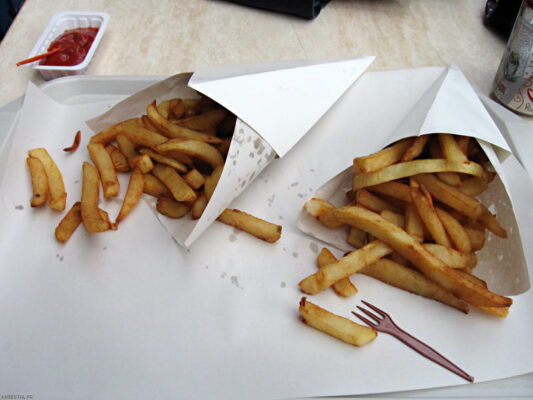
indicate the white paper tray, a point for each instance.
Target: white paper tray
{"x":88,"y":89}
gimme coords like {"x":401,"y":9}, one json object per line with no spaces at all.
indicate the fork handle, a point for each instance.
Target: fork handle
{"x":430,"y":353}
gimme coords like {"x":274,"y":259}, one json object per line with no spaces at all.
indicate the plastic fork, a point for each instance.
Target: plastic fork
{"x":384,"y":323}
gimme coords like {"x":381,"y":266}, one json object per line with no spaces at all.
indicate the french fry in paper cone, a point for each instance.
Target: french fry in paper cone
{"x":275,"y":105}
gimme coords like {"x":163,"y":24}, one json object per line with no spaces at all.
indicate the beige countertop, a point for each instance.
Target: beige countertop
{"x":146,"y":37}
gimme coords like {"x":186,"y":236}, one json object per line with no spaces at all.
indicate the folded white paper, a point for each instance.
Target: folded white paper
{"x":276,"y":104}
{"x":449,"y":105}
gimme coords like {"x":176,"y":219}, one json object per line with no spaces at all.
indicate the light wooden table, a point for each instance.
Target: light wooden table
{"x":148,"y":37}
{"x":164,"y":37}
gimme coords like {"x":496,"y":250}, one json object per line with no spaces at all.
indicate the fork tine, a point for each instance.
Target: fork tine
{"x":365,"y":320}
{"x":373,"y":307}
{"x":370,"y":314}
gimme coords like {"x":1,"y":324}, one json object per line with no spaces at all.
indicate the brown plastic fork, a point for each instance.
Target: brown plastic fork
{"x":385,"y":324}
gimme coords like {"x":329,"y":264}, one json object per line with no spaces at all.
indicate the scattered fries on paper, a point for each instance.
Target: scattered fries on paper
{"x":175,"y":152}
{"x":416,"y":224}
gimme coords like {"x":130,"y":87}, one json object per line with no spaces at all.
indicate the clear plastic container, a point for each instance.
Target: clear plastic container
{"x":57,"y":25}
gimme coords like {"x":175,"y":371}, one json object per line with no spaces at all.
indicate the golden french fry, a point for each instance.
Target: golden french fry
{"x":178,"y":166}
{"x":463,"y":142}
{"x":248,"y":223}
{"x":127,"y":148}
{"x":451,"y":196}
{"x":427,"y":263}
{"x":345,"y":266}
{"x":455,"y":230}
{"x":373,"y":202}
{"x":408,"y":279}
{"x":174,"y":182}
{"x":154,"y":187}
{"x":451,"y":257}
{"x":356,"y":237}
{"x":144,"y":163}
{"x":393,"y":189}
{"x":133,"y":194}
{"x":205,"y":121}
{"x":172,"y":130}
{"x":194,"y":148}
{"x":194,"y":179}
{"x":92,"y":220}
{"x":57,"y":196}
{"x":120,"y":162}
{"x":211,"y":181}
{"x":109,"y":134}
{"x":197,"y":106}
{"x":343,"y":287}
{"x":424,"y":205}
{"x":489,"y":221}
{"x":177,"y":108}
{"x":70,"y":222}
{"x":106,"y":169}
{"x":415,"y":149}
{"x":171,"y":208}
{"x":450,"y":149}
{"x":39,"y":182}
{"x":334,"y":325}
{"x":410,"y":168}
{"x":477,"y":237}
{"x":74,"y":146}
{"x":414,"y":225}
{"x":199,"y":205}
{"x":320,"y":209}
{"x":451,"y":178}
{"x":381,"y":159}
{"x":473,"y":186}
{"x":164,"y":108}
{"x":140,"y":136}
{"x":148,"y":124}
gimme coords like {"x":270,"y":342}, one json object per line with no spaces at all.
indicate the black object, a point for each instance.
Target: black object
{"x":308,"y":9}
{"x":8,"y":12}
{"x":501,"y":14}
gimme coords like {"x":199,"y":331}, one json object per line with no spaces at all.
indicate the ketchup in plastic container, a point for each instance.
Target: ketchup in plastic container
{"x":74,"y":45}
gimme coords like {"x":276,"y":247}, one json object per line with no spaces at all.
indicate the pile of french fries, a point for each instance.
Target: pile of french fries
{"x":415,"y":223}
{"x":175,"y":152}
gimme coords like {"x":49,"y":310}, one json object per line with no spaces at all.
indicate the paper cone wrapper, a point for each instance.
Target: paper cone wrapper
{"x":276,"y":104}
{"x":448,"y":105}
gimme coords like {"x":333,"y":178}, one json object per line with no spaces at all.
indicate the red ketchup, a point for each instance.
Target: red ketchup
{"x":74,"y":45}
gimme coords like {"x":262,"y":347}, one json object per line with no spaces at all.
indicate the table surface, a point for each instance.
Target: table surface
{"x":164,"y":37}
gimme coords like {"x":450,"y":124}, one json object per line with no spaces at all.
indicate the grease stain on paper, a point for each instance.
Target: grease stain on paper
{"x":19,"y":207}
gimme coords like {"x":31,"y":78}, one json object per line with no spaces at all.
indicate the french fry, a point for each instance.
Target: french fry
{"x":199,"y":205}
{"x":140,"y":136}
{"x":257,"y":227}
{"x":154,"y":187}
{"x":320,"y":209}
{"x":194,"y":148}
{"x":408,"y":279}
{"x":356,"y":237}
{"x":373,"y":202}
{"x":414,"y":225}
{"x":194,"y":179}
{"x":171,"y":208}
{"x":57,"y":196}
{"x":162,"y":159}
{"x":382,"y":158}
{"x":450,"y":149}
{"x":343,"y":287}
{"x":174,"y":182}
{"x":92,"y":220}
{"x":120,"y":162}
{"x":106,"y":169}
{"x":133,"y":194}
{"x":415,"y":148}
{"x":109,"y":134}
{"x":177,"y":108}
{"x":211,"y":181}
{"x":345,"y":266}
{"x":473,"y":186}
{"x":424,"y":205}
{"x":334,"y":325}
{"x":127,"y":148}
{"x":489,"y":221}
{"x":39,"y":182}
{"x":456,"y":232}
{"x":205,"y":121}
{"x":410,"y":168}
{"x":427,"y":263}
{"x":172,"y":130}
{"x":74,"y":146}
{"x":70,"y":222}
{"x":451,"y":196}
{"x":477,"y":237}
{"x":451,"y":257}
{"x":144,"y":163}
{"x":393,"y":189}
